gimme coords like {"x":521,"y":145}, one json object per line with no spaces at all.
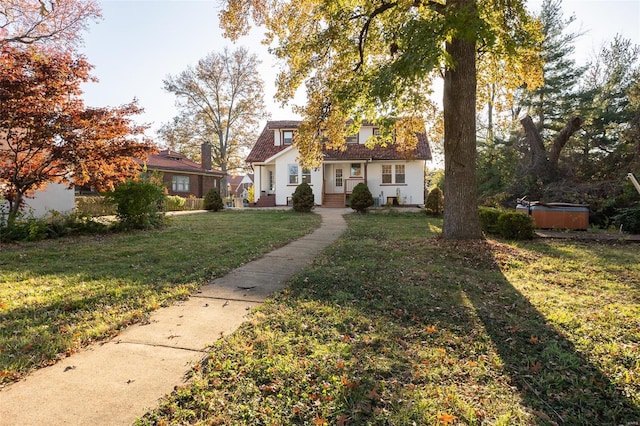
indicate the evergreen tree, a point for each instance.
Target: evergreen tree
{"x":552,"y":103}
{"x":213,"y":200}
{"x":610,"y":115}
{"x":361,"y":198}
{"x":303,"y":198}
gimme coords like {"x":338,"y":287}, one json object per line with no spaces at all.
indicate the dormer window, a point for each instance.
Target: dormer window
{"x":352,"y":139}
{"x":287,"y":137}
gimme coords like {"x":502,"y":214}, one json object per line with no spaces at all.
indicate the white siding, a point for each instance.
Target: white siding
{"x":412,"y":192}
{"x":284,"y":189}
{"x":55,"y":196}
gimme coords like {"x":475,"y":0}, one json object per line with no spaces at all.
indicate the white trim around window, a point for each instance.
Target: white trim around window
{"x":393,"y":174}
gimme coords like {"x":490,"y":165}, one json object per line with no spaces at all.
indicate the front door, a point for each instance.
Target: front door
{"x":334,"y":178}
{"x":338,"y":180}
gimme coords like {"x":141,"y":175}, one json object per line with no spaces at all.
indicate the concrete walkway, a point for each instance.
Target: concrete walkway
{"x":119,"y":381}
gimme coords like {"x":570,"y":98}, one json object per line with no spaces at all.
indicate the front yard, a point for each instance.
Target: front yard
{"x":396,"y":326}
{"x":59,"y":295}
{"x":391,"y":325}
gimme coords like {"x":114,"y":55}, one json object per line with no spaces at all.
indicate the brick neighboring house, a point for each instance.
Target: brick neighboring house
{"x":182,"y":176}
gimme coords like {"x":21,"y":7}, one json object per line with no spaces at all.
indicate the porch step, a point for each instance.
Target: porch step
{"x":266,"y":201}
{"x":333,"y":201}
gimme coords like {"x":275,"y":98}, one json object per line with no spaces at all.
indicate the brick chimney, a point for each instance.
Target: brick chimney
{"x":206,"y":156}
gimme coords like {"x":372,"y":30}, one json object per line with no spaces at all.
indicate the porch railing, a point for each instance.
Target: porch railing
{"x":351,"y":183}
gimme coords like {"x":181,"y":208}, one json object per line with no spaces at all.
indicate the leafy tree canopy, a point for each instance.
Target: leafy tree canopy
{"x":52,"y":23}
{"x":221,"y":102}
{"x":48,"y":135}
{"x":376,"y":61}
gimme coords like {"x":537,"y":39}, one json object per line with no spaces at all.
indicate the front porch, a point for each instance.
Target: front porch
{"x":339,"y":199}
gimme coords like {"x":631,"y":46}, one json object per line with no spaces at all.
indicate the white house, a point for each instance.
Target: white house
{"x":55,"y":197}
{"x":392,"y":177}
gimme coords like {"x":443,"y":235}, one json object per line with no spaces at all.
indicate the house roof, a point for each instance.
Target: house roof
{"x":168,"y":160}
{"x":240,"y":179}
{"x":266,"y":148}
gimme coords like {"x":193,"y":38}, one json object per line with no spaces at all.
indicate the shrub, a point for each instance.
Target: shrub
{"x":138,"y":204}
{"x":94,"y":205}
{"x":251,"y":194}
{"x":213,"y":201}
{"x":361,"y":198}
{"x":434,"y":205}
{"x":303,"y":198}
{"x":23,"y":229}
{"x":55,"y":225}
{"x":489,"y":219}
{"x":175,"y":203}
{"x":516,"y":226}
{"x":628,"y":219}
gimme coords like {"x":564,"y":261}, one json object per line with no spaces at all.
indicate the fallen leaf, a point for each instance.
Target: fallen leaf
{"x":373,"y":394}
{"x":534,"y":340}
{"x":319,"y":421}
{"x":348,"y":384}
{"x":342,"y":420}
{"x":536,"y":367}
{"x":446,"y":418}
{"x":430,"y":329}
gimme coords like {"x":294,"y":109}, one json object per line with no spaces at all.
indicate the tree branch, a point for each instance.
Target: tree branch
{"x":365,"y":30}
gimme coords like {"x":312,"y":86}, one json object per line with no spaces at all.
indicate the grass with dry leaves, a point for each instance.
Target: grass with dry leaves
{"x":59,"y":295}
{"x":393,"y":325}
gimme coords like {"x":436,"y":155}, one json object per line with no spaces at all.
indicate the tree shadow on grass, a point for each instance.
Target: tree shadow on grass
{"x":552,"y":376}
{"x":459,"y":287}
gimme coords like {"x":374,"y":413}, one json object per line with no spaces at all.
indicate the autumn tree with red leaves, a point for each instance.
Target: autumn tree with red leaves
{"x":56,"y":23}
{"x":48,"y":135}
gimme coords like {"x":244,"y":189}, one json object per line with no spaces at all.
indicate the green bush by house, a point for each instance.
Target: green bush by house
{"x":303,"y":198}
{"x":434,"y":205}
{"x":361,"y":198}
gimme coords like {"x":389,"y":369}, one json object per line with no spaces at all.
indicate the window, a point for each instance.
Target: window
{"x":352,"y":139}
{"x":399,"y":173}
{"x":180,"y":183}
{"x":376,"y":131}
{"x":287,"y":137}
{"x":386,"y":173}
{"x":356,"y":169}
{"x":338,"y":178}
{"x":293,"y":174}
{"x":306,"y":175}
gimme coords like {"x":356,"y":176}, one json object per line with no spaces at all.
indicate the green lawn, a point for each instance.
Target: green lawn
{"x":395,"y":326}
{"x":59,"y":295}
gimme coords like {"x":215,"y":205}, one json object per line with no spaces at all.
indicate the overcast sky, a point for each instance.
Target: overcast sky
{"x":139,"y":42}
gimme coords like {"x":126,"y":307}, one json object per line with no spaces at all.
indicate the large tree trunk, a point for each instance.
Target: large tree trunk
{"x":544,"y":166}
{"x":562,"y":138}
{"x":538,"y":163}
{"x":461,"y":219}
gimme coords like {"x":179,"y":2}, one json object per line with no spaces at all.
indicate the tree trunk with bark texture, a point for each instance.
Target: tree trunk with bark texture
{"x":562,"y":138}
{"x":543,"y":165}
{"x":459,"y":103}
